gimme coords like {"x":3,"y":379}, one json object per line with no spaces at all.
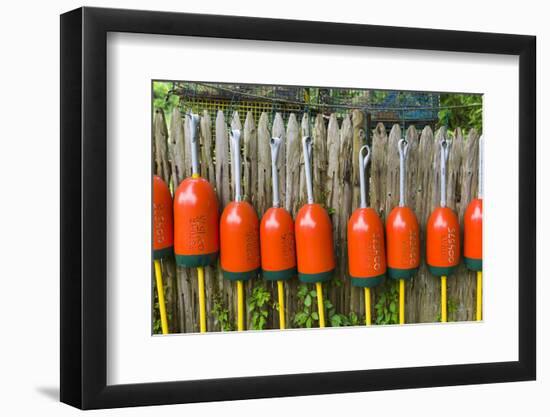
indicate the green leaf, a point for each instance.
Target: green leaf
{"x":392,"y":307}
{"x":315,"y":316}
{"x":307,"y":301}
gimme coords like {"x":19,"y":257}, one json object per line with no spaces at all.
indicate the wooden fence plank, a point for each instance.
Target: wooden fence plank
{"x":349,"y":297}
{"x":332,"y":202}
{"x":293,"y":201}
{"x":250,"y":159}
{"x":264,"y":165}
{"x":223,"y":177}
{"x":319,"y":150}
{"x":208,"y":172}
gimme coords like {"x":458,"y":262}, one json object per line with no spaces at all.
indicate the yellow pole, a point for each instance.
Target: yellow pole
{"x":320,"y":304}
{"x":368,"y":320}
{"x":240,"y":306}
{"x":162,"y":303}
{"x":443,"y":299}
{"x":202,"y":301}
{"x":401,"y":301}
{"x":281,"y":292}
{"x":479,"y":295}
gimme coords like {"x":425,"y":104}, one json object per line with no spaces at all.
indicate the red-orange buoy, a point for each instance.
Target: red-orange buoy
{"x":473,"y":234}
{"x":402,"y":236}
{"x":163,"y":224}
{"x":366,"y":253}
{"x":163,"y":239}
{"x":239,"y":235}
{"x":314,"y":245}
{"x":196,"y":240}
{"x":277,"y":243}
{"x":443,"y":235}
{"x":196,"y":214}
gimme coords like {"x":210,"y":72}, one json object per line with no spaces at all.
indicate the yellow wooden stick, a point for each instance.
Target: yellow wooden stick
{"x":479,"y":297}
{"x":162,"y":303}
{"x":200,"y":278}
{"x":443,"y":299}
{"x":368,"y":319}
{"x":240,"y":306}
{"x":320,"y":304}
{"x":202,"y":301}
{"x":401,"y":301}
{"x":281,"y":292}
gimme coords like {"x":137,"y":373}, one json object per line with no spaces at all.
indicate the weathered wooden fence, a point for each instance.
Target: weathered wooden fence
{"x":336,"y":185}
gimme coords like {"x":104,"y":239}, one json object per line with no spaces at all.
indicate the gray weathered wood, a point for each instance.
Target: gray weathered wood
{"x":223,"y":175}
{"x":292,"y":164}
{"x":264,"y":165}
{"x":319,"y":151}
{"x":250,"y":159}
{"x":351,"y":302}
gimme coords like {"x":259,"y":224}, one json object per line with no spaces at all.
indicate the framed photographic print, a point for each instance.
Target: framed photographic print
{"x":258,"y":208}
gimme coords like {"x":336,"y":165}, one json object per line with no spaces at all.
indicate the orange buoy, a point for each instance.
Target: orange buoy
{"x":314,"y":245}
{"x":239,"y":235}
{"x":366,"y":252}
{"x":443,"y":229}
{"x":443,"y":235}
{"x":163,"y":240}
{"x":277,"y":243}
{"x":196,"y":214}
{"x":473,"y":222}
{"x":163,"y":224}
{"x":239,"y":229}
{"x":402,"y":236}
{"x":402,"y":231}
{"x":473,"y":234}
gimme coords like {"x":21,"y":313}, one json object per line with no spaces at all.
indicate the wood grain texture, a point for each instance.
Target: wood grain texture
{"x":336,"y":143}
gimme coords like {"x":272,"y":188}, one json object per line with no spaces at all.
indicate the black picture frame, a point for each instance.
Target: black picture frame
{"x":84,"y":207}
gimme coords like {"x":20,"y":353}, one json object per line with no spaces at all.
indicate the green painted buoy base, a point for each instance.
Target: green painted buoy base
{"x":367,"y":282}
{"x":406,"y":274}
{"x":283,"y":275}
{"x":474,"y":264}
{"x":240,"y":276}
{"x":312,"y":278}
{"x":440,"y":271}
{"x":194,"y":261}
{"x":163,"y":253}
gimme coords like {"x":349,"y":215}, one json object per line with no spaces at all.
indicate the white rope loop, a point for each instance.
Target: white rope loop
{"x":306,"y":146}
{"x":236,"y":145}
{"x":194,"y":120}
{"x":403,"y":147}
{"x":363,"y":162}
{"x":275,"y":144}
{"x":444,"y":146}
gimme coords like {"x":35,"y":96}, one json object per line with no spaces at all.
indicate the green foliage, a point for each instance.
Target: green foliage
{"x":306,"y":316}
{"x":221,"y":315}
{"x":162,"y":99}
{"x":469,"y":116}
{"x":452,"y":308}
{"x":258,"y":306}
{"x":387,"y":304}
